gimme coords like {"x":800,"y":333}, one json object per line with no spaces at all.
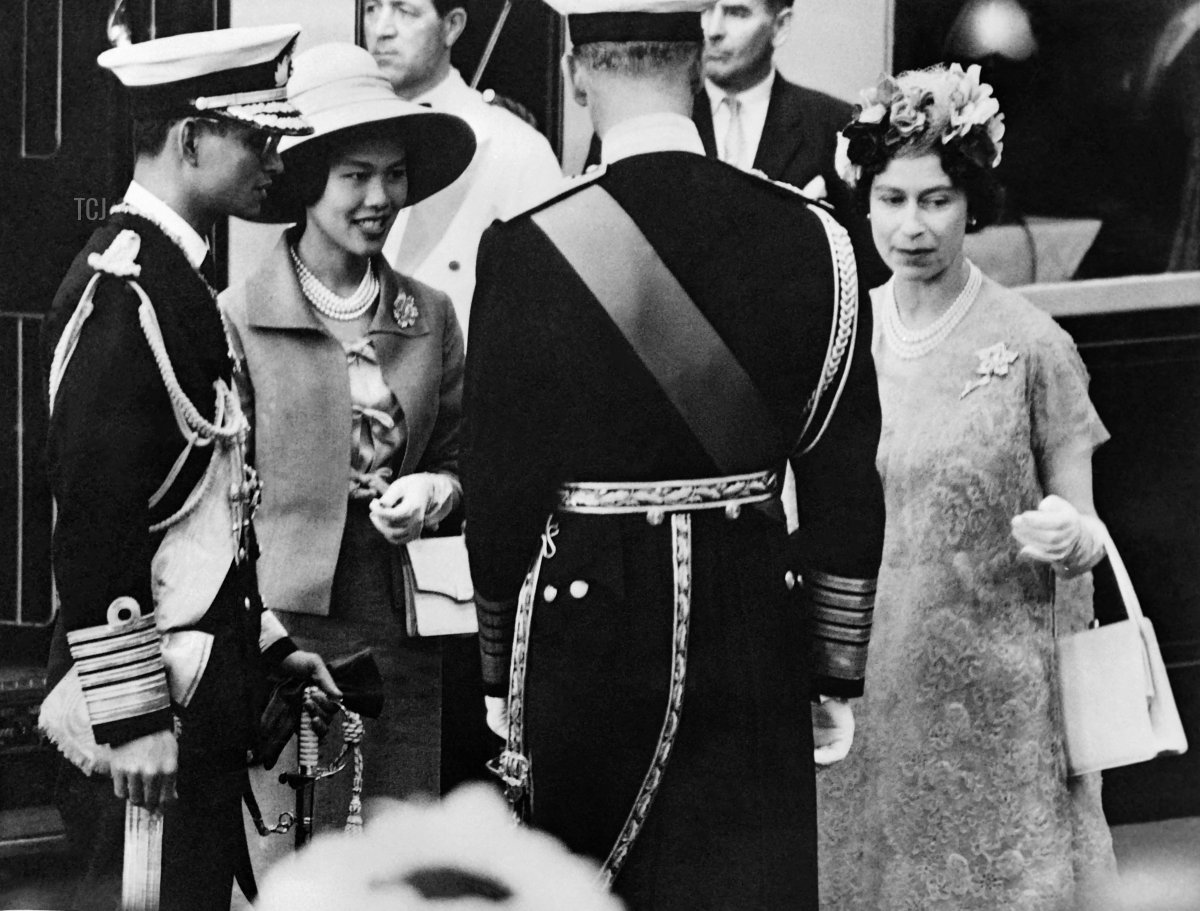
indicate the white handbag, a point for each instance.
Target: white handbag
{"x":440,"y":596}
{"x":1117,"y":704}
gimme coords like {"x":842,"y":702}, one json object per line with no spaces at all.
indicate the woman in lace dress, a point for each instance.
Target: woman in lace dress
{"x":351,"y":375}
{"x":956,"y":793}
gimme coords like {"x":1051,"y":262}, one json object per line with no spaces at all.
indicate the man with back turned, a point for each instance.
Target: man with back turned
{"x":648,"y":349}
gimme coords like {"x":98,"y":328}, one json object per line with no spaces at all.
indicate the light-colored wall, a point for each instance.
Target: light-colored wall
{"x":838,"y":46}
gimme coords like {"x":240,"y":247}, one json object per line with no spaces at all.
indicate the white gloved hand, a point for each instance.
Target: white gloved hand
{"x":1058,"y":534}
{"x":833,"y":730}
{"x":497,"y":715}
{"x":413,"y":503}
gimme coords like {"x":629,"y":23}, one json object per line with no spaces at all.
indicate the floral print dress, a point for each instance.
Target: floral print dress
{"x":955,"y":794}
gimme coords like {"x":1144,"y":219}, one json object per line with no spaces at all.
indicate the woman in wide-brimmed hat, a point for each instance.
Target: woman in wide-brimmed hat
{"x":351,"y":375}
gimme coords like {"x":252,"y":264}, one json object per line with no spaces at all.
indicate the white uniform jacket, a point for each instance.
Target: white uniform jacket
{"x":514,"y":168}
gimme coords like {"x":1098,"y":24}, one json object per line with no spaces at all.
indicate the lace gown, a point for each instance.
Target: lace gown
{"x":955,"y":795}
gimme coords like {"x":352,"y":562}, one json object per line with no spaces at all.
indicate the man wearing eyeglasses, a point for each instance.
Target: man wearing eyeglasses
{"x":156,"y":670}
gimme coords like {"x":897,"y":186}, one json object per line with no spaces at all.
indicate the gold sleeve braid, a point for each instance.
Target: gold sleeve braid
{"x":842,"y":612}
{"x":120,"y":665}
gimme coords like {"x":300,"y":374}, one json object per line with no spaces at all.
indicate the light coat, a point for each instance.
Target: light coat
{"x":296,"y":392}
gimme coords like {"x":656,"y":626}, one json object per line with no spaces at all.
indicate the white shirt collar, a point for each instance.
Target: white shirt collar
{"x":194,"y":247}
{"x":663,"y":132}
{"x":752,"y":97}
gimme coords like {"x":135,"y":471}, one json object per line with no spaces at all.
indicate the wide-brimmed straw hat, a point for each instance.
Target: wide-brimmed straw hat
{"x":339,"y":87}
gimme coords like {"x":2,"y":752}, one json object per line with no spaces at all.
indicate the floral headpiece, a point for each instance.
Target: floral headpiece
{"x":920,"y":107}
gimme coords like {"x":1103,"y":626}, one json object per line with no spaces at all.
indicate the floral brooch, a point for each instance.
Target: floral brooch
{"x":404,"y":310}
{"x":993,"y":361}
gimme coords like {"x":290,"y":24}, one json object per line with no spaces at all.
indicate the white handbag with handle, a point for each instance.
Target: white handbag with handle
{"x":1117,"y":704}
{"x":441,"y":598}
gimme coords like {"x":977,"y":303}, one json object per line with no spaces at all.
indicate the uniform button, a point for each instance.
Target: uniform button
{"x":549,"y":593}
{"x":454,"y":267}
{"x":579,"y":589}
{"x":789,"y":579}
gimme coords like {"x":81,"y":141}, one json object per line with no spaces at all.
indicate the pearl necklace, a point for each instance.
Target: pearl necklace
{"x":334,"y":306}
{"x":911,"y":344}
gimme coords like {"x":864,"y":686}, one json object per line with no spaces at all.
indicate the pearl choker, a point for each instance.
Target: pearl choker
{"x":332,"y":305}
{"x":911,"y":344}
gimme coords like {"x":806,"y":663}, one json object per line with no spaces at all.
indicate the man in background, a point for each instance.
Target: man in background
{"x":751,"y":117}
{"x":514,"y":166}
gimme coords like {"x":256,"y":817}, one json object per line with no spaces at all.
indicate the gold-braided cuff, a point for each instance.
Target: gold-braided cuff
{"x":120,"y":665}
{"x":842,"y":613}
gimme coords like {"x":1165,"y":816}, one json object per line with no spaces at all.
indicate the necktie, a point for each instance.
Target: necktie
{"x":735,"y":140}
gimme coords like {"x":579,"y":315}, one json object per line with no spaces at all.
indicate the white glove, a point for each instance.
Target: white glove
{"x":413,"y":503}
{"x":1058,"y":534}
{"x":497,"y":715}
{"x":833,"y":730}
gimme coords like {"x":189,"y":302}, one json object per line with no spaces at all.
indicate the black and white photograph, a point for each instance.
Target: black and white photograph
{"x":600,"y":455}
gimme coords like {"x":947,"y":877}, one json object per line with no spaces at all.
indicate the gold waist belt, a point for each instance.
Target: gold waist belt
{"x":658,"y":497}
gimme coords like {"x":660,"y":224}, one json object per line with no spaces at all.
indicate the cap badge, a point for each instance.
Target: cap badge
{"x":283,"y":70}
{"x":404,"y":310}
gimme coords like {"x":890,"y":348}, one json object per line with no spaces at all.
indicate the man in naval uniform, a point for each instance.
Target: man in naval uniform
{"x":162,"y":640}
{"x":648,"y":349}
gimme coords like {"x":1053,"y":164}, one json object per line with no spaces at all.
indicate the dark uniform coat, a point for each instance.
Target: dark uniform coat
{"x":113,"y":438}
{"x":555,"y":394}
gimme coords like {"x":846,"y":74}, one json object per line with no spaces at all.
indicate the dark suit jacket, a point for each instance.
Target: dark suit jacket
{"x":113,"y":438}
{"x":798,"y":138}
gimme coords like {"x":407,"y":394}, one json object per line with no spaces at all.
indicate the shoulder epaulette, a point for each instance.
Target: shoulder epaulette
{"x":120,"y":259}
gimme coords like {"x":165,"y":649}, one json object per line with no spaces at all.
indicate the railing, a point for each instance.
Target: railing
{"x":26,"y":511}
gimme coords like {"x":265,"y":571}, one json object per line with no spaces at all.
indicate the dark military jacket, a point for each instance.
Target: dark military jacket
{"x":113,"y":436}
{"x":554,"y":393}
{"x":681,"y":654}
